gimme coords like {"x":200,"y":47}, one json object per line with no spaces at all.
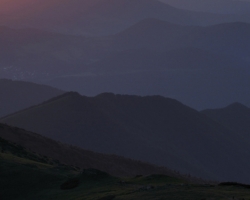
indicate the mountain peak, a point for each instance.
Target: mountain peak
{"x":236,"y":106}
{"x":72,"y":93}
{"x":67,"y":94}
{"x":232,"y":108}
{"x":105,"y":94}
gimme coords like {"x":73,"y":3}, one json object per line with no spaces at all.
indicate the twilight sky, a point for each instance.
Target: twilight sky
{"x":9,"y":5}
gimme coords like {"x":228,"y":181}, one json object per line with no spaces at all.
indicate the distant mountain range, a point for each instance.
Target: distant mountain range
{"x":35,"y":54}
{"x":101,"y":17}
{"x":152,"y":50}
{"x":240,"y":7}
{"x":153,"y":129}
{"x":235,"y":117}
{"x":18,"y":95}
{"x":212,"y":58}
{"x":133,"y":62}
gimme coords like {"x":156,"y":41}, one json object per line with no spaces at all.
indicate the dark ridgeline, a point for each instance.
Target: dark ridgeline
{"x":153,"y":129}
{"x":17,"y":141}
{"x":236,"y":117}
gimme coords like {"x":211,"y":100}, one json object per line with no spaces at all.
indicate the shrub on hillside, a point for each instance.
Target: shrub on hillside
{"x":70,"y":184}
{"x":234,"y":184}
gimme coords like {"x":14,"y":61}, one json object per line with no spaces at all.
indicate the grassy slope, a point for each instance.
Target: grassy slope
{"x":25,"y":175}
{"x":73,"y":156}
{"x":150,"y":187}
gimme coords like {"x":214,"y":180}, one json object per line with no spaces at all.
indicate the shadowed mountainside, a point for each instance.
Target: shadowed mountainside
{"x":22,"y":170}
{"x":235,"y":117}
{"x":153,"y":129}
{"x":18,"y":95}
{"x":57,"y":152}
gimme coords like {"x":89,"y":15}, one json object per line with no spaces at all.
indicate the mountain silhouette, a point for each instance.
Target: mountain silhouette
{"x":74,"y":156}
{"x":153,"y":129}
{"x":236,"y":117}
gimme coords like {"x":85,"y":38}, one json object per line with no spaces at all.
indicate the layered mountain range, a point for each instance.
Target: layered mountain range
{"x":154,"y":56}
{"x":235,"y":116}
{"x":100,"y":17}
{"x":153,"y":129}
{"x":202,"y":61}
{"x":74,"y":156}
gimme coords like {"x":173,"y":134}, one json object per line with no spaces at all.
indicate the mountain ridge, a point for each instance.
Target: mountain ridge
{"x":235,"y":116}
{"x":83,"y":64}
{"x":76,"y":157}
{"x":154,"y":129}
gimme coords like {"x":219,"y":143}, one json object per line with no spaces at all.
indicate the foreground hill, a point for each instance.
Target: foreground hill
{"x":153,"y":129}
{"x":235,"y":117}
{"x":27,"y":175}
{"x":22,"y":170}
{"x":17,"y":95}
{"x":54,"y":152}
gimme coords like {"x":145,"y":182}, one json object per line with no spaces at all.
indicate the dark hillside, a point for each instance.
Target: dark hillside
{"x":45,"y":150}
{"x":153,"y":128}
{"x":235,"y":117}
{"x":24,"y":178}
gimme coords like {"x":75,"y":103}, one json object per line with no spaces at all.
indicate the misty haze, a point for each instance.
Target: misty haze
{"x":124,"y":99}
